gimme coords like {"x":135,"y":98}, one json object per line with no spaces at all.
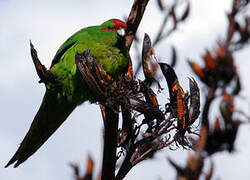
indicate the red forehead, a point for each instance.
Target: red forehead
{"x":118,"y":23}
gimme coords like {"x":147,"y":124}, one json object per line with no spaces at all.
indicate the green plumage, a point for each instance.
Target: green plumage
{"x":106,"y":45}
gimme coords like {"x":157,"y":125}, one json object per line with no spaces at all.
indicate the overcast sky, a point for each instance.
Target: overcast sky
{"x":48,"y":23}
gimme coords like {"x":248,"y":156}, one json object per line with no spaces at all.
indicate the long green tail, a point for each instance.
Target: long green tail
{"x":51,"y":115}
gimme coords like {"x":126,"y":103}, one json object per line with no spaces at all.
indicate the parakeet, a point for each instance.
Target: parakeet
{"x":106,"y":42}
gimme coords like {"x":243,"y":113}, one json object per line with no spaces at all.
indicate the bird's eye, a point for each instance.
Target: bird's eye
{"x":109,"y":27}
{"x":121,"y":32}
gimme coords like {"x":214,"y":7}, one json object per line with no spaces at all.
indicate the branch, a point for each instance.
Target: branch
{"x":126,"y":164}
{"x":110,"y":143}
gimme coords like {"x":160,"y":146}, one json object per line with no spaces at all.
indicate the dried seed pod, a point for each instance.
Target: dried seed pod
{"x":197,"y":70}
{"x":194,"y":109}
{"x":227,"y":107}
{"x":170,"y":77}
{"x":147,"y":52}
{"x":146,"y":108}
{"x":210,"y":62}
{"x":46,"y":76}
{"x":181,"y":108}
{"x":87,"y":76}
{"x":178,"y":102}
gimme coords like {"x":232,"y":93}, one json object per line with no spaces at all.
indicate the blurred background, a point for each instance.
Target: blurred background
{"x":48,"y":23}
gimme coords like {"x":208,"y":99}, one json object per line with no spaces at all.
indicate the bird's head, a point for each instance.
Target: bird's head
{"x":115,"y":25}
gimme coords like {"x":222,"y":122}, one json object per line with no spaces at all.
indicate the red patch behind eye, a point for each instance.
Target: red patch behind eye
{"x":117,"y":25}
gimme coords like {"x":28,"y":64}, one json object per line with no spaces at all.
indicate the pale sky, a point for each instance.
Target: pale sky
{"x":48,"y":23}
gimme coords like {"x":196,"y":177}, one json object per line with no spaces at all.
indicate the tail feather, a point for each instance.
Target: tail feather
{"x":52,"y":113}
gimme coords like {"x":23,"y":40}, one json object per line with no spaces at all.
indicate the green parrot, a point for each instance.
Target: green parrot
{"x":107,"y":43}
